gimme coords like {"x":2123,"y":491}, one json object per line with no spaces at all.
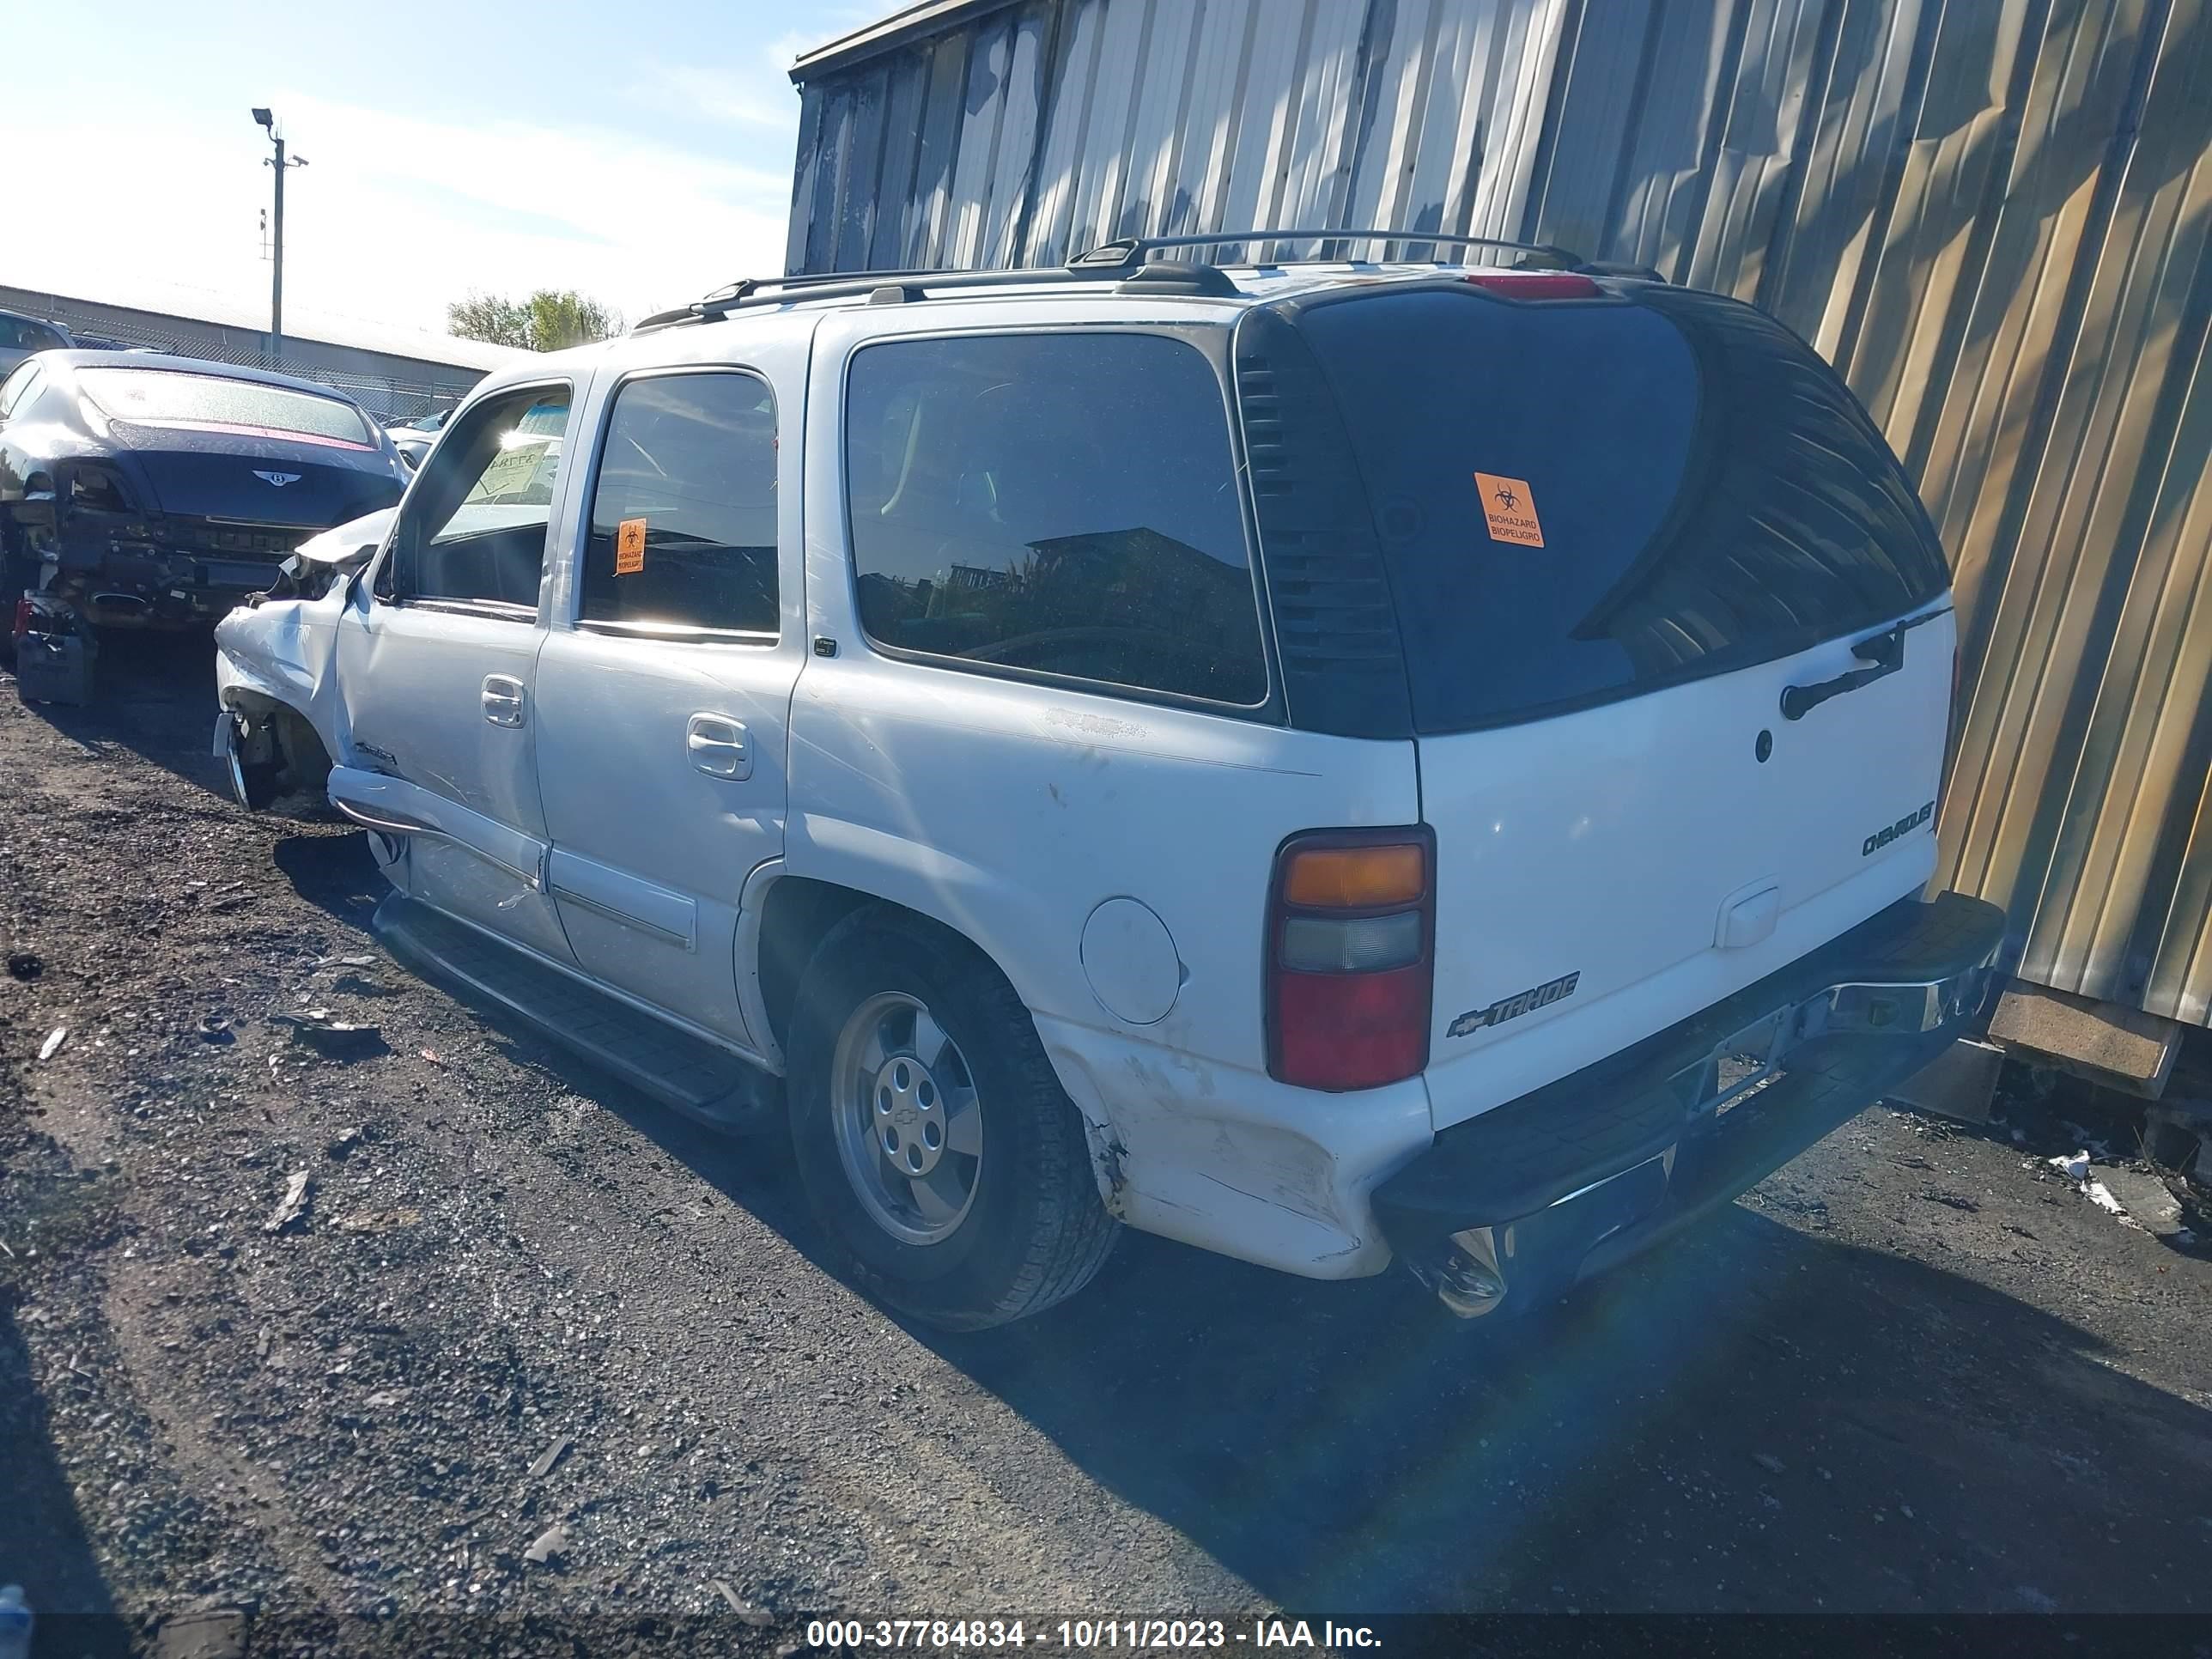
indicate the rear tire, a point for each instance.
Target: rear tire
{"x":935,"y":1143}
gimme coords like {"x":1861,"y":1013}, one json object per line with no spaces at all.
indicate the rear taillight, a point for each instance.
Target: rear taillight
{"x":22,"y":627}
{"x":1350,"y":958}
{"x":1536,"y":284}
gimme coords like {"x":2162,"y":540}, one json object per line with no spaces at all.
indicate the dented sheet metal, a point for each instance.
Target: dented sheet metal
{"x":284,"y":650}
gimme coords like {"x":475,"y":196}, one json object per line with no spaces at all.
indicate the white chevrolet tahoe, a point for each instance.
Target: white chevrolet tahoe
{"x":1333,"y":762}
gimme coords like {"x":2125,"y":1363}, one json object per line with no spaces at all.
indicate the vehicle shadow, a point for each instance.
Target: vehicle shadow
{"x":1756,"y":1419}
{"x":155,"y":697}
{"x":43,"y":1544}
{"x":333,"y":870}
{"x":1759,"y":1419}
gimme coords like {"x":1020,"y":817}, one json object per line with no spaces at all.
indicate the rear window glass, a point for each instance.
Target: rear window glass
{"x":1575,"y":502}
{"x":1062,"y":503}
{"x":164,"y":396}
{"x":683,"y":529}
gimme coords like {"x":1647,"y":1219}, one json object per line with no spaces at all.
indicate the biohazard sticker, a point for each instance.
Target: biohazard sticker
{"x":629,"y":547}
{"x":1510,"y":508}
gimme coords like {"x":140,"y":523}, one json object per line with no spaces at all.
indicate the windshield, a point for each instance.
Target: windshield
{"x":161,"y":396}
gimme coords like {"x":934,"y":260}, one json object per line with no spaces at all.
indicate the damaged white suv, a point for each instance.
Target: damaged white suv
{"x":1334,"y":764}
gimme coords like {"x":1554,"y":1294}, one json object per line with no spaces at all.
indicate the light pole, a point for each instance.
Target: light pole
{"x":267,"y":121}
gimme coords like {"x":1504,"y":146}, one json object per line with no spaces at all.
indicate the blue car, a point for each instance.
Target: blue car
{"x":153,"y":491}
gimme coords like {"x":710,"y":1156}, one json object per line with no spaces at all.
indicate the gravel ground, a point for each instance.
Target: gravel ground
{"x":523,"y":1313}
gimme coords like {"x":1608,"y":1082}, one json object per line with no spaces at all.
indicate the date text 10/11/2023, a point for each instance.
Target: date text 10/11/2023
{"x":1086,"y":1634}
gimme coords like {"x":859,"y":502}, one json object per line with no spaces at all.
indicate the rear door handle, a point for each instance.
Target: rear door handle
{"x":719,"y":747}
{"x":503,"y":700}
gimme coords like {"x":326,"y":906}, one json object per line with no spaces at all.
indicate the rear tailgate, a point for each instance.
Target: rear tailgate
{"x":1616,"y":529}
{"x":1605,"y":873}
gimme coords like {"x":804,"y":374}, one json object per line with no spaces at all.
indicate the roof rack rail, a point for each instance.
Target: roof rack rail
{"x":1127,"y":259}
{"x":1132,"y":251}
{"x":841,"y":284}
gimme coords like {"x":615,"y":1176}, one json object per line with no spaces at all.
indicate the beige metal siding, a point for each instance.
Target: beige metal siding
{"x":1994,"y":216}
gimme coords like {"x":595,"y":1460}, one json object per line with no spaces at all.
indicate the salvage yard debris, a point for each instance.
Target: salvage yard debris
{"x":2146,"y":1198}
{"x":759,"y":1617}
{"x":548,"y":1457}
{"x":549,"y":1544}
{"x":340,"y":1039}
{"x":379,"y":1221}
{"x":294,"y":1205}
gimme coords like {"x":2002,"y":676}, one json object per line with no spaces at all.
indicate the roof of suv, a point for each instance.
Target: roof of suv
{"x":650,"y":342}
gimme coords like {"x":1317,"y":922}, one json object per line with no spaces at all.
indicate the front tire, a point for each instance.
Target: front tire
{"x":936,"y":1145}
{"x":254,"y":773}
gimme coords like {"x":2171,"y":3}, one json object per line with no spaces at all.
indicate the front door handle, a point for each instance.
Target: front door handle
{"x":503,"y":700}
{"x":719,"y":747}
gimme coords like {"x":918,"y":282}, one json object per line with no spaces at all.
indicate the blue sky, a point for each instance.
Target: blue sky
{"x":641,"y":152}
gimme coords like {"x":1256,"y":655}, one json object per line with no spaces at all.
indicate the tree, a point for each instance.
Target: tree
{"x":568,"y":319}
{"x":549,"y":320}
{"x":486,"y":317}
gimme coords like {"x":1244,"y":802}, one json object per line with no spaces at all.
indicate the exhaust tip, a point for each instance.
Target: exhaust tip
{"x":1466,"y":1275}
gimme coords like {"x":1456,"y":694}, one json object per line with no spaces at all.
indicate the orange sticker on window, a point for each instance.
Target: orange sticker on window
{"x":629,"y":547}
{"x":1511,"y":507}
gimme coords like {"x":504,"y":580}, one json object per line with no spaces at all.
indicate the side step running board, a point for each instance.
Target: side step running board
{"x":696,"y":1077}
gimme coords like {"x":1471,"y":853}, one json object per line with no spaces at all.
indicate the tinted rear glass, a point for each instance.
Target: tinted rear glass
{"x":683,"y":526}
{"x":1579,"y":501}
{"x":164,"y":397}
{"x":1061,"y":503}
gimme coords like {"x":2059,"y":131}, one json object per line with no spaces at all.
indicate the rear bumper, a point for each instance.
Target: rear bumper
{"x":139,"y":575}
{"x":1515,"y":1205}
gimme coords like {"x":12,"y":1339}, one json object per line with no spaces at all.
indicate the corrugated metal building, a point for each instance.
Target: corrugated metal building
{"x":1991,"y":214}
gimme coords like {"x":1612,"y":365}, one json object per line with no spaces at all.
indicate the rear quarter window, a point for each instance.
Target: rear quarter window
{"x":1575,"y":501}
{"x":1062,"y":504}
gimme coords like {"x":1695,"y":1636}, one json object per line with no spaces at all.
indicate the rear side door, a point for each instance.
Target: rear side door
{"x":663,"y":691}
{"x":436,"y":655}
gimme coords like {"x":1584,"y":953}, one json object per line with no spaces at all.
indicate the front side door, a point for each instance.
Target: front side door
{"x":436,"y":655}
{"x":665,"y":685}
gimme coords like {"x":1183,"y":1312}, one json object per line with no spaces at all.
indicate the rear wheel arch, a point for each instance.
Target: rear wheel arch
{"x":798,"y":914}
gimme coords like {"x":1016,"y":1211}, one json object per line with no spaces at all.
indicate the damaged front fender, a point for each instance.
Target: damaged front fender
{"x":280,"y":721}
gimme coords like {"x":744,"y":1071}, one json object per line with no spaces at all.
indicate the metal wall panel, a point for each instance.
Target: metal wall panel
{"x":1994,"y":216}
{"x":1023,"y":133}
